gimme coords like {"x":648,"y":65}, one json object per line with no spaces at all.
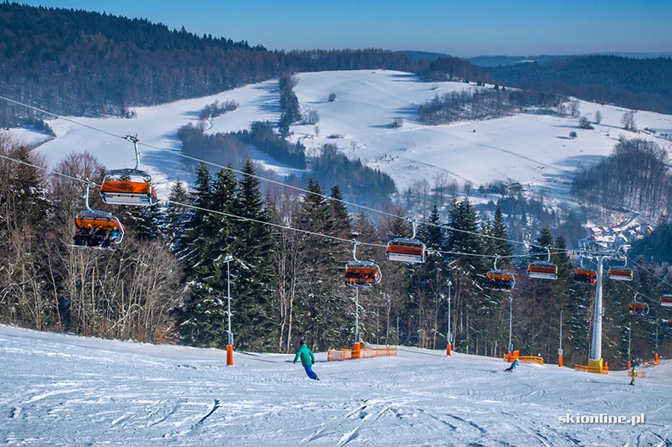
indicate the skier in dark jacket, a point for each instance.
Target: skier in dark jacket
{"x":307,"y":359}
{"x":513,"y":366}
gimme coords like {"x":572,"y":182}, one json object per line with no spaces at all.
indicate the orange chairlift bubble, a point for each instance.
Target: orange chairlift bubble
{"x":408,"y":250}
{"x":361,"y":273}
{"x":543,"y":269}
{"x":97,"y":229}
{"x":498,"y":279}
{"x":621,"y":273}
{"x":637,"y":307}
{"x":666,"y":300}
{"x":129,"y":186}
{"x":584,"y":275}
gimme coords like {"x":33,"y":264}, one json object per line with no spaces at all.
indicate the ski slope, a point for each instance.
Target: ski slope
{"x":532,"y":149}
{"x":61,"y":390}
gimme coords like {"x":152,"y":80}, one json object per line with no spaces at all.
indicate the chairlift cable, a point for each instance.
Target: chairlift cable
{"x":345,"y":202}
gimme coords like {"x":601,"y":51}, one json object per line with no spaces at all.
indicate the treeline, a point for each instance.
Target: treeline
{"x":632,"y":83}
{"x":358,"y":182}
{"x":81,"y":63}
{"x":483,"y":103}
{"x":634,"y":177}
{"x":232,"y":147}
{"x":168,"y":279}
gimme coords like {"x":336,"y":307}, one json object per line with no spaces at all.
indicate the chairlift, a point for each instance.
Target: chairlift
{"x":666,"y":300}
{"x":543,"y":269}
{"x":500,"y":279}
{"x":97,"y":229}
{"x":638,"y":307}
{"x":129,"y":186}
{"x":584,"y":275}
{"x":361,"y":273}
{"x":620,"y":274}
{"x":406,"y":249}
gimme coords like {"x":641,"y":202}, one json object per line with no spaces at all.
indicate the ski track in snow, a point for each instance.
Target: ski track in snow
{"x":58,"y":390}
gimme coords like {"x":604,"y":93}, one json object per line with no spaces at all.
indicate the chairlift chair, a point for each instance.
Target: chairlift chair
{"x":638,"y":307}
{"x":666,"y":300}
{"x":500,"y":279}
{"x":543,"y":269}
{"x":620,"y":274}
{"x":406,"y":249}
{"x":93,"y":219}
{"x":584,"y":275}
{"x":361,"y":273}
{"x":129,"y":186}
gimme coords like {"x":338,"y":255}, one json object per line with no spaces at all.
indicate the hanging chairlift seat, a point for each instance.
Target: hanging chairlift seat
{"x":666,"y":300}
{"x":500,"y":280}
{"x":585,"y":276}
{"x":94,"y":219}
{"x":638,"y":308}
{"x":542,"y":270}
{"x":128,"y":187}
{"x":620,"y":274}
{"x":406,"y":250}
{"x":362,"y":273}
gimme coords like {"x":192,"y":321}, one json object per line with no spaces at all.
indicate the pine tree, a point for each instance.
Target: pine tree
{"x":253,"y":272}
{"x":202,"y":321}
{"x":176,"y":216}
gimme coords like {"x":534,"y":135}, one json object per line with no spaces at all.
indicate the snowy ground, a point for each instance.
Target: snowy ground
{"x":528,"y":148}
{"x":58,"y":390}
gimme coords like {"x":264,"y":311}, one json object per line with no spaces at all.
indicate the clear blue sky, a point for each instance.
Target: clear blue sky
{"x":458,"y":27}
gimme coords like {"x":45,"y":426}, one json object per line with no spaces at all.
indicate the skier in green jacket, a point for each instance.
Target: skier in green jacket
{"x":307,"y":359}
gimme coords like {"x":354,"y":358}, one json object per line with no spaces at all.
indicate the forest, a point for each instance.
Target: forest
{"x":635,"y":176}
{"x":167,"y":282}
{"x":79,"y":63}
{"x":632,"y":83}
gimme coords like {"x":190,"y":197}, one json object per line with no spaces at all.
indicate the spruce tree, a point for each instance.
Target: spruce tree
{"x":253,"y":272}
{"x":202,"y":321}
{"x":176,"y":216}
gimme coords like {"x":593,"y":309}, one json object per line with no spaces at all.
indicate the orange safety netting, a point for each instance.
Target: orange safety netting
{"x":340,"y":355}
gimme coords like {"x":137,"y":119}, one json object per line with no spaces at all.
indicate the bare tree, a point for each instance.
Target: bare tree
{"x":574,"y":108}
{"x":628,"y":121}
{"x":598,"y":117}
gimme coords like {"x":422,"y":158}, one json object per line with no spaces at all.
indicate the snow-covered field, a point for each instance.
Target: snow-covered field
{"x":59,"y":390}
{"x":527,"y":148}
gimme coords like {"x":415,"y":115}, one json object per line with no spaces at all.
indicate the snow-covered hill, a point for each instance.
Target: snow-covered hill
{"x":59,"y":390}
{"x":527,"y":148}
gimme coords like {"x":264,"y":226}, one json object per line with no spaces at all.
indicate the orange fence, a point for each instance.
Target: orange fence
{"x":338,"y":355}
{"x":638,"y":374}
{"x":593,"y":369}
{"x":523,"y":358}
